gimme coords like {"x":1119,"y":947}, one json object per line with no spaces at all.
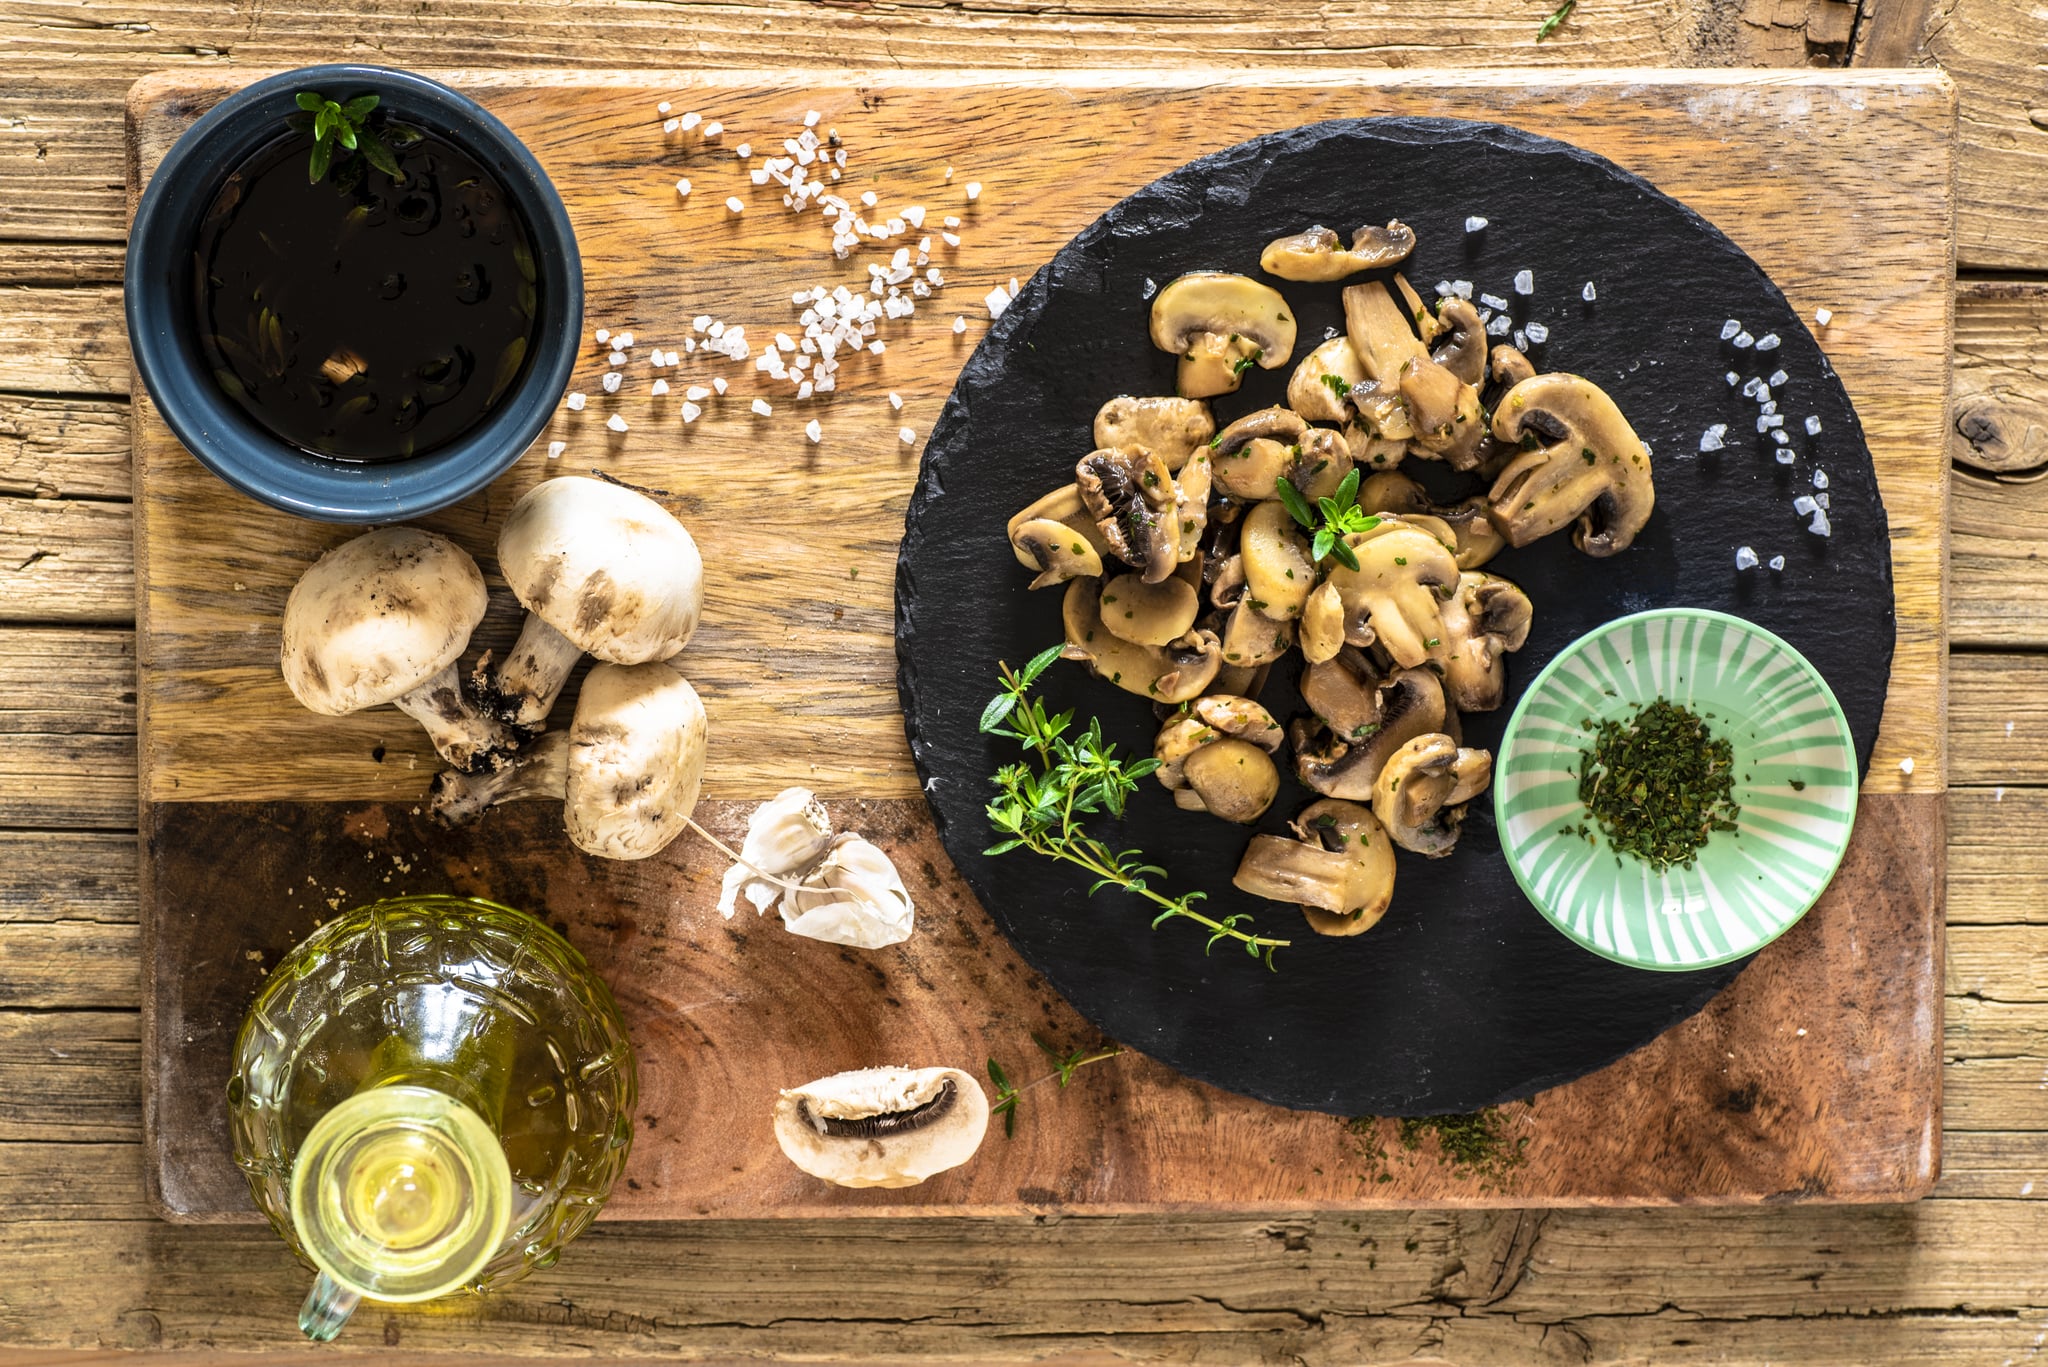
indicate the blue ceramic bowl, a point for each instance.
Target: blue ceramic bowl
{"x":163,"y":330}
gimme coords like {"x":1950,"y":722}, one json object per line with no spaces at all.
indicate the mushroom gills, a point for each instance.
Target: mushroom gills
{"x":882,"y":1127}
{"x":1220,"y":325}
{"x":1314,"y":255}
{"x":1585,"y":463}
{"x":1132,"y":497}
{"x":886,"y":1122}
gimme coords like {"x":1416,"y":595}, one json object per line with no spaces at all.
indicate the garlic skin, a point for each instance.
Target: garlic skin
{"x":786,"y":836}
{"x":855,"y":897}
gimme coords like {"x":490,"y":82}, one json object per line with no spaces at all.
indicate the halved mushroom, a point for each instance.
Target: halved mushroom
{"x":384,"y":618}
{"x":1210,"y":718}
{"x":1278,"y":572}
{"x":1420,"y":796}
{"x":1133,"y":499}
{"x":1344,"y":693}
{"x":1321,"y":384}
{"x":627,"y":770}
{"x":1586,"y":463}
{"x":1460,"y":343}
{"x":1445,"y":414}
{"x":1055,"y":550}
{"x":1191,"y":488}
{"x":1149,"y":614}
{"x":1064,"y":507}
{"x":1379,"y":332}
{"x":1508,"y":366}
{"x":1411,"y":703}
{"x":1319,"y":463}
{"x":1227,"y":586}
{"x":1250,"y":637}
{"x":1220,"y":325}
{"x":1321,"y":628}
{"x":1339,"y":870}
{"x":602,"y":570}
{"x":1251,"y":453}
{"x":1315,"y":255}
{"x":1476,"y":538}
{"x":882,"y":1127}
{"x":1170,"y":428}
{"x":1394,"y":596}
{"x":1174,"y":672}
{"x":1486,"y":618}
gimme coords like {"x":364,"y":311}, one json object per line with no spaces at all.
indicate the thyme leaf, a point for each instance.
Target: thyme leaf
{"x":1064,"y":1066}
{"x":1557,"y":16}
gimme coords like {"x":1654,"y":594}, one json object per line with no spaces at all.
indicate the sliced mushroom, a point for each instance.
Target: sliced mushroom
{"x":1064,"y":506}
{"x":1370,"y":451}
{"x":1232,"y":779}
{"x":1321,"y":628}
{"x":1508,"y":366}
{"x":1228,"y":586}
{"x":1320,"y":386}
{"x":1420,"y":796}
{"x":1379,"y":332}
{"x":1149,"y":614}
{"x":1055,"y":550}
{"x":1315,"y":255}
{"x":1344,"y":694}
{"x":602,"y":570}
{"x":1411,"y":704}
{"x":1394,"y":596}
{"x":1278,"y":572}
{"x":384,"y":618}
{"x":1460,"y":343}
{"x":1319,"y":463}
{"x":1170,"y":428}
{"x":1134,"y":501}
{"x":1477,"y":539}
{"x":1586,"y":463}
{"x":1220,"y":325}
{"x":1339,"y":870}
{"x":1444,"y":413}
{"x":1191,"y":488}
{"x":1174,"y":672}
{"x":627,"y":770}
{"x":1255,"y":450}
{"x":1210,"y":718}
{"x":1250,"y":637}
{"x":1485,"y":619}
{"x":882,"y":1127}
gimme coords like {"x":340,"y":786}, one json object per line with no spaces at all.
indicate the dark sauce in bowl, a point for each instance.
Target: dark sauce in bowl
{"x":362,"y":318}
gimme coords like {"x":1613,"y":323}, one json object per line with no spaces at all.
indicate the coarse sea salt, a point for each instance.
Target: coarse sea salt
{"x":1525,"y":282}
{"x":662,"y":108}
{"x":959,"y":324}
{"x":696,"y":392}
{"x":1539,"y":333}
{"x":814,"y":431}
{"x":733,"y":204}
{"x":1462,"y":288}
{"x":1804,"y":505}
{"x":1778,"y":563}
{"x":997,"y":300}
{"x":616,"y":358}
{"x":658,"y":388}
{"x":575,"y":402}
{"x":1589,"y":294}
{"x":1745,"y":558}
{"x":1812,"y":425}
{"x":690,"y":121}
{"x":616,"y":423}
{"x":1493,"y":301}
{"x":1820,"y":479}
{"x":1732,"y":378}
{"x":1475,"y":224}
{"x":1715,"y":437}
{"x":973,"y":190}
{"x":691,"y":412}
{"x":719,"y":385}
{"x":1785,"y":455}
{"x":1906,"y":765}
{"x":1823,"y":316}
{"x":555,"y":449}
{"x":1730,"y":328}
{"x":601,"y":336}
{"x":1768,"y":342}
{"x":905,"y":435}
{"x":763,"y":408}
{"x":611,"y":381}
{"x":1778,"y":379}
{"x":896,"y":401}
{"x":1742,"y":341}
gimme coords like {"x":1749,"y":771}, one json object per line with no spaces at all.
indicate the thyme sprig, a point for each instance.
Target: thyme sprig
{"x":1064,"y":1066}
{"x":1042,"y":804}
{"x":1557,"y":16}
{"x":343,"y":124}
{"x":1331,"y":519}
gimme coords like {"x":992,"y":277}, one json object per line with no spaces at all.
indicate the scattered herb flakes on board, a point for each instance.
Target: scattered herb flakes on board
{"x":1659,"y":784}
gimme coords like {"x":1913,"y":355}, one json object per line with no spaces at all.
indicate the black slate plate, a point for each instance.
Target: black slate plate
{"x":1462,"y":996}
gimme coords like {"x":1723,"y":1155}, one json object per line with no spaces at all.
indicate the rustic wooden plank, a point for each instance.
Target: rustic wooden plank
{"x":66,"y":560}
{"x":1997,"y":866}
{"x":63,"y":341}
{"x":2001,"y":414}
{"x":1998,"y":721}
{"x":72,"y":1182}
{"x":1998,"y":595}
{"x":1990,"y":47}
{"x":2007,"y":963}
{"x":70,"y":1076}
{"x":1893,"y":32}
{"x":60,"y":263}
{"x":69,"y":876}
{"x":67,"y":722}
{"x":2007,"y":1165}
{"x":70,"y":965}
{"x":54,"y":447}
{"x":218,"y":562}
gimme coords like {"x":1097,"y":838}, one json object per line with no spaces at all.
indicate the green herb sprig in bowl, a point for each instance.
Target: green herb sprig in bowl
{"x":1042,"y":804}
{"x":344,"y":125}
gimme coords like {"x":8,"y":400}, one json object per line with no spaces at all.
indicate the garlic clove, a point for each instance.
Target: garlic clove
{"x":855,"y":897}
{"x":786,"y":835}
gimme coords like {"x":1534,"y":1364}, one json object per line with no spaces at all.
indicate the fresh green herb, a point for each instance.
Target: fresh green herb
{"x":1340,"y":516}
{"x":1338,"y":385}
{"x":1042,"y":807}
{"x":1557,"y":16}
{"x":1064,"y":1066}
{"x":344,"y":124}
{"x":1244,"y":363}
{"x":1659,"y":784}
{"x":1798,"y":785}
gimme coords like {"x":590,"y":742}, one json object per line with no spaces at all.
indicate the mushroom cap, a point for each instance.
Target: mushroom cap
{"x":1174,"y":672}
{"x":377,"y":616}
{"x":636,"y":759}
{"x":606,"y":566}
{"x":1392,"y":598}
{"x":1149,"y":614}
{"x":1419,"y":796}
{"x":882,"y":1127}
{"x":1589,"y":465}
{"x":1324,"y":400}
{"x":1460,"y":343}
{"x":1134,"y":500}
{"x":1055,"y":550}
{"x":1339,"y":870}
{"x":1062,"y":505}
{"x":1235,"y":779}
{"x":1220,"y":304}
{"x":1171,"y":428}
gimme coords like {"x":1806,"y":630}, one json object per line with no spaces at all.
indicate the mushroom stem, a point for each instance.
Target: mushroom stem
{"x":540,"y":770}
{"x":467,"y":738}
{"x":536,"y":669}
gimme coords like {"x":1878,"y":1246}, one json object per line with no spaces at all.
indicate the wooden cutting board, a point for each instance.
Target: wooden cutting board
{"x":1815,"y":1077}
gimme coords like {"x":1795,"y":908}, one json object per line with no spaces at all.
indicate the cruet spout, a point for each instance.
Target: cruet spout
{"x":328,"y":1306}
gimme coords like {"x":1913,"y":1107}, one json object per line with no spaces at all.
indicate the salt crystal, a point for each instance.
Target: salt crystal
{"x":1812,"y":425}
{"x":811,"y":119}
{"x":1744,"y":340}
{"x":1820,"y":479}
{"x":1730,"y":328}
{"x":1768,"y":342}
{"x":658,"y":388}
{"x":701,"y":321}
{"x":713,"y":129}
{"x":662,"y":108}
{"x":717,"y":329}
{"x":814,"y":431}
{"x":1462,"y":288}
{"x":1493,"y":301}
{"x":696,"y":391}
{"x":763,"y":407}
{"x":760,"y":178}
{"x":623,"y":341}
{"x":1821,"y":498}
{"x":691,"y":412}
{"x":1745,"y":558}
{"x":1521,"y":340}
{"x":555,"y":449}
{"x":1750,"y":386}
{"x":949,"y":173}
{"x":877,"y":348}
{"x":952,"y":221}
{"x":1773,"y":419}
{"x":905,"y":435}
{"x":1525,"y":282}
{"x":1733,"y":377}
{"x":959,"y":325}
{"x":616,"y":423}
{"x":1715,"y":437}
{"x":744,"y":150}
{"x":671,"y":125}
{"x":1474,"y":224}
{"x":914,"y":215}
{"x":616,"y":358}
{"x":1804,"y":505}
{"x":973,"y":189}
{"x":782,"y":341}
{"x":1778,"y":563}
{"x":1501,"y":326}
{"x":1823,"y":317}
{"x":1768,"y":404}
{"x":1443,"y":289}
{"x":611,"y":381}
{"x":601,"y":336}
{"x":1539,"y":333}
{"x":1778,"y":436}
{"x":1589,"y":294}
{"x":575,"y":403}
{"x":733,"y":204}
{"x":869,"y":199}
{"x":1906,"y":765}
{"x":1785,"y":455}
{"x":997,"y":300}
{"x":690,"y":121}
{"x":1778,"y":379}
{"x":953,"y":240}
{"x":1820,"y":525}
{"x":719,"y":385}
{"x":896,"y":402}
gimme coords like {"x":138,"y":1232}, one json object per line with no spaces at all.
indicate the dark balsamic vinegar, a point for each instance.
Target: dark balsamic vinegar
{"x":362,"y":318}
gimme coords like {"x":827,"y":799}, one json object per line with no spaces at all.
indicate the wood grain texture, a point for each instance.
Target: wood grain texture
{"x":1992,"y":48}
{"x":819,"y":660}
{"x":2001,"y":375}
{"x":1998,"y":596}
{"x":57,"y":447}
{"x":1732,"y":1106}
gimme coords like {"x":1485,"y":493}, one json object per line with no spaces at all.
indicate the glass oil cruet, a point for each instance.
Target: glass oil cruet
{"x":430,"y":1094}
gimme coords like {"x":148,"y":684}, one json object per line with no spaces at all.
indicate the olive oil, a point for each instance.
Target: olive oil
{"x":364,"y":317}
{"x":430,"y":1094}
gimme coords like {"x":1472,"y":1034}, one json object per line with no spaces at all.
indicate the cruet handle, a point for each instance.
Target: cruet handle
{"x":328,"y":1306}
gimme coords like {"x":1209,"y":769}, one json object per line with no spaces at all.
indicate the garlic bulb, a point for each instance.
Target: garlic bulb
{"x":786,"y":836}
{"x":855,"y":897}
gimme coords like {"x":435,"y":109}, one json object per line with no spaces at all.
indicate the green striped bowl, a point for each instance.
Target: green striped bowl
{"x":1747,"y":887}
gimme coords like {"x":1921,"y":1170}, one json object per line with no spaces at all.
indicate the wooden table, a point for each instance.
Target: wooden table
{"x":1959,"y":1277}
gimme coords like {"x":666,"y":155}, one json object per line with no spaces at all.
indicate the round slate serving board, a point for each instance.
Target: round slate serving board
{"x":1462,"y":996}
